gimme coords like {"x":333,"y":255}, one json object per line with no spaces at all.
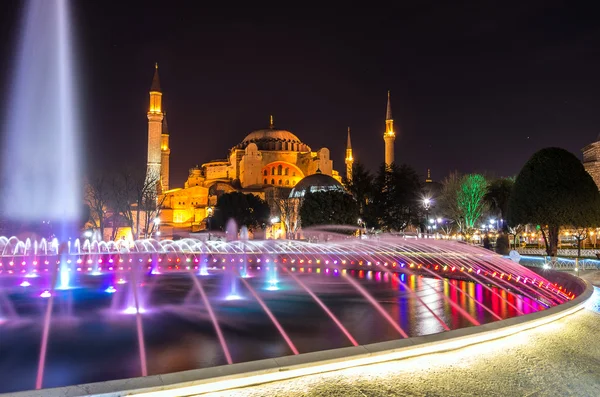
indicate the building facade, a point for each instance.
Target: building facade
{"x":265,"y":159}
{"x":591,"y":160}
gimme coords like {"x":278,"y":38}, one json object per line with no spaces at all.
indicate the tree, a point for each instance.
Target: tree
{"x":497,"y":196}
{"x":469,"y":197}
{"x":98,"y":195}
{"x":328,"y":208}
{"x":287,"y":208}
{"x":397,"y":197}
{"x":448,"y":201}
{"x":581,"y":233}
{"x":553,"y":190}
{"x":361,"y":187}
{"x":246,"y":209}
{"x":136,"y":201}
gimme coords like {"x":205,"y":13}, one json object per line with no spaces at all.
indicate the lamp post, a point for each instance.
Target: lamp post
{"x":427,"y":205}
{"x":360,"y":226}
{"x":156,"y":226}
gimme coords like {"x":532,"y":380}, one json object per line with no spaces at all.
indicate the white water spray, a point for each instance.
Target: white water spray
{"x":41,"y":137}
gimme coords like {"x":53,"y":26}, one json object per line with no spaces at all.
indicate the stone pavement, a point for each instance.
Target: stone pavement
{"x":557,"y":359}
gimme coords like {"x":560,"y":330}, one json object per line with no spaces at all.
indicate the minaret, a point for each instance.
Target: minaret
{"x":389,"y":136}
{"x":349,"y":158}
{"x":271,"y":125}
{"x":165,"y":152}
{"x":155,"y":118}
{"x":428,"y":180}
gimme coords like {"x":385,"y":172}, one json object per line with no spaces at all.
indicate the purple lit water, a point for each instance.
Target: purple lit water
{"x":96,"y":344}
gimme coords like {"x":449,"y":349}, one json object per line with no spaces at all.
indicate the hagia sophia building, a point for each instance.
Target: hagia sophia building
{"x":264,"y":162}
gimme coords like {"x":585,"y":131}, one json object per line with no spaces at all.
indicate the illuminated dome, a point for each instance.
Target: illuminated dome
{"x":274,"y":139}
{"x":318,"y":182}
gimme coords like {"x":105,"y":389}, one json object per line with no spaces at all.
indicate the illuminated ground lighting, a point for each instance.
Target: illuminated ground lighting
{"x":131,"y":310}
{"x":233,"y":297}
{"x":45,"y":294}
{"x":110,"y":290}
{"x":154,"y":271}
{"x":273,"y":286}
{"x":96,"y":273}
{"x":25,"y":284}
{"x":31,"y":275}
{"x":446,"y":348}
{"x":121,"y":281}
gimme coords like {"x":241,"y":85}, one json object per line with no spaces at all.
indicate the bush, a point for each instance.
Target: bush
{"x":502,"y":245}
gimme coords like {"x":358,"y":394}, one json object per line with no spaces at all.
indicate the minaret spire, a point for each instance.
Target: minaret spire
{"x":155,"y":115}
{"x":155,"y":87}
{"x":389,"y":136}
{"x":349,"y":158}
{"x":388,"y":113}
{"x":271,"y":125}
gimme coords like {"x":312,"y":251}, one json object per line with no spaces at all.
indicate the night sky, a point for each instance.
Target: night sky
{"x":476,"y":87}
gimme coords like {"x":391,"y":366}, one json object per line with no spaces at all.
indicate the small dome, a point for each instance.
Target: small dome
{"x":315,"y":183}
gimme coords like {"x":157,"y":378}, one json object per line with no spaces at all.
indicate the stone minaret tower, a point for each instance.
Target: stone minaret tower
{"x":389,"y":136}
{"x":349,"y":159}
{"x":165,"y":152}
{"x":155,"y":120}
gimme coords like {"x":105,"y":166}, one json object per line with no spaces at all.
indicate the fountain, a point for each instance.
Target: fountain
{"x":326,"y":293}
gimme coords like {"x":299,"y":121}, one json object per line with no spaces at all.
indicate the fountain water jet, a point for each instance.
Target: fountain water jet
{"x":323,"y":306}
{"x":213,"y":317}
{"x":271,"y":316}
{"x":41,"y":158}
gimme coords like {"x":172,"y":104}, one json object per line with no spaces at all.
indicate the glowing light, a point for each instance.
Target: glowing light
{"x":45,"y":294}
{"x":121,"y":281}
{"x":25,"y":284}
{"x":131,"y":310}
{"x":110,"y":290}
{"x":273,"y":285}
{"x":233,"y":297}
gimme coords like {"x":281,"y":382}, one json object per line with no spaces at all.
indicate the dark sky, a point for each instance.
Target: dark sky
{"x":474,"y":87}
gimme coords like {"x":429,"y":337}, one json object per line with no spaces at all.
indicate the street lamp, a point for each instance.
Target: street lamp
{"x":156,"y":225}
{"x":427,"y":205}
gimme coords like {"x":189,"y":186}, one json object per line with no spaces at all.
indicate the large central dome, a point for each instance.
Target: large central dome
{"x":269,"y":134}
{"x":274,"y":139}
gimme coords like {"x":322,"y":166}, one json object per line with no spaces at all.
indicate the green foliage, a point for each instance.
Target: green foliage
{"x":447,"y":203}
{"x":245,"y":209}
{"x":469,"y":198}
{"x":328,"y":208}
{"x":397,"y":197}
{"x":552,"y":190}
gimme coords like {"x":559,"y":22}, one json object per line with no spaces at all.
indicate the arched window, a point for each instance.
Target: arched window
{"x":272,"y":181}
{"x":266,"y":179}
{"x":280,"y":181}
{"x":287,"y":181}
{"x":294,"y":173}
{"x":287,"y":171}
{"x":265,"y":173}
{"x":273,"y":171}
{"x":279,"y":168}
